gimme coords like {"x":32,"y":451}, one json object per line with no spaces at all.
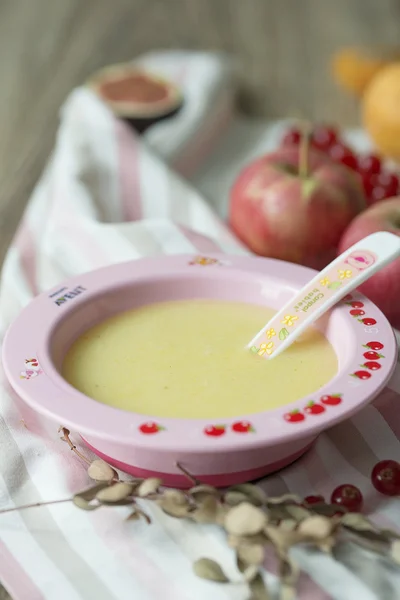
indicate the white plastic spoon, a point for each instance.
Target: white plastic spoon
{"x":339,"y":278}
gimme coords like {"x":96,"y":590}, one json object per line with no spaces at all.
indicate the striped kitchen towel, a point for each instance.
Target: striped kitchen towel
{"x":108,"y":196}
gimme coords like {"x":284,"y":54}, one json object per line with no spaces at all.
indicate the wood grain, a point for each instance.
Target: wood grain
{"x":282,"y":49}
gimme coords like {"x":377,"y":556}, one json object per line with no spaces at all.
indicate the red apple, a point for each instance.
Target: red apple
{"x":383,"y":288}
{"x":278,"y":211}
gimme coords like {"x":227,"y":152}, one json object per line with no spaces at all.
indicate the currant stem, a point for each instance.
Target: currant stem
{"x":33,"y":505}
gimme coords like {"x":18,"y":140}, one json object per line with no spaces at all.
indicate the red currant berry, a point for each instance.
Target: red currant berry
{"x":378,"y":193}
{"x":324,"y":137}
{"x":368,"y":188}
{"x":314,"y":499}
{"x":348,"y":496}
{"x":369,"y":164}
{"x":384,"y":185}
{"x":385,"y":477}
{"x":292,"y":137}
{"x":342,"y":154}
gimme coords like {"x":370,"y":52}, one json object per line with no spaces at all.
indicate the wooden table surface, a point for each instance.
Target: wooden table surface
{"x":282,"y":48}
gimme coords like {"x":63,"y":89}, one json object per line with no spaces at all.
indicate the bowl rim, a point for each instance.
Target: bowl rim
{"x":29,"y":335}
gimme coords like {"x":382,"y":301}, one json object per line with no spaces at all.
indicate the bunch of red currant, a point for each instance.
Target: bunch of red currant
{"x":379,"y":183}
{"x":385,"y":478}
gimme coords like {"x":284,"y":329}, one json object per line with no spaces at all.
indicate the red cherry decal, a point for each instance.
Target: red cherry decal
{"x":331,"y":399}
{"x":374,"y":345}
{"x":372,"y":365}
{"x":361,"y":374}
{"x":348,"y":298}
{"x":357,"y":312}
{"x":356,"y":304}
{"x":243,"y":427}
{"x":370,"y":355}
{"x":295,"y":416}
{"x":150,"y":427}
{"x":314,"y":409}
{"x":215,"y":430}
{"x":368,"y":321}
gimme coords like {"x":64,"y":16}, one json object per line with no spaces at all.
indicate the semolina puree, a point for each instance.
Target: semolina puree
{"x":188,"y":359}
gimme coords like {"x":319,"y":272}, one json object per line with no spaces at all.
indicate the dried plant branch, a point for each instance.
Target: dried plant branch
{"x":65,"y":438}
{"x":34,"y":505}
{"x":252,"y":521}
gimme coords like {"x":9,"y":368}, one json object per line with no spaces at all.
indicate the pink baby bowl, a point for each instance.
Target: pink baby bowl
{"x":242,"y":448}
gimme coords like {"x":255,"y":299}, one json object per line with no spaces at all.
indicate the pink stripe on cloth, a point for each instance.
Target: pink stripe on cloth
{"x":129,"y":173}
{"x":153,"y":578}
{"x":201,"y":242}
{"x":387,"y":404}
{"x":318,"y":475}
{"x":208,"y":135}
{"x":15,"y":578}
{"x":25,"y":244}
{"x":306,"y":588}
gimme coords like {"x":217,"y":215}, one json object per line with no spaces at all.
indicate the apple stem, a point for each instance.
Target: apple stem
{"x":304,"y":151}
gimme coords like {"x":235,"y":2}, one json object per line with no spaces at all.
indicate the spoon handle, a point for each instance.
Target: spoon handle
{"x":340,"y":277}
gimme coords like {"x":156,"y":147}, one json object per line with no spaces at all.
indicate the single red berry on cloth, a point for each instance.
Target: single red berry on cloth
{"x":348,"y":496}
{"x":242,"y":427}
{"x":372,"y":365}
{"x":292,"y":137}
{"x":369,"y":163}
{"x":385,"y":477}
{"x":357,"y":312}
{"x":361,"y":374}
{"x":342,"y":154}
{"x":215,"y":430}
{"x":323,"y":137}
{"x":374,"y":345}
{"x":368,"y":321}
{"x":314,"y":499}
{"x":371,"y":355}
{"x":295,"y":416}
{"x":314,"y":409}
{"x":332,"y":399}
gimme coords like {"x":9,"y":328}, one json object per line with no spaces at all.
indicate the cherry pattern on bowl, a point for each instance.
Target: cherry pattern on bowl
{"x":242,"y":427}
{"x":150,"y":428}
{"x":313,"y":408}
{"x":294,"y":416}
{"x":215,"y":430}
{"x":330,"y":400}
